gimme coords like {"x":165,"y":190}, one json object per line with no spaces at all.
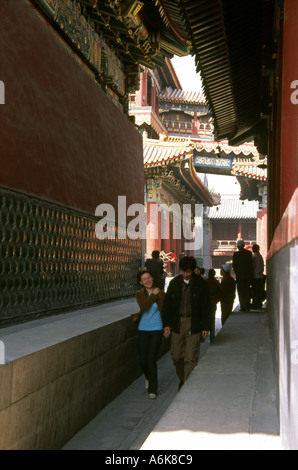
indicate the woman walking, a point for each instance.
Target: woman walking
{"x":150,"y":300}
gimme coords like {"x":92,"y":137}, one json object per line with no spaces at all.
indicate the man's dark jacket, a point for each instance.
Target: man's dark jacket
{"x":200,"y":305}
{"x":242,"y":264}
{"x":155,"y":266}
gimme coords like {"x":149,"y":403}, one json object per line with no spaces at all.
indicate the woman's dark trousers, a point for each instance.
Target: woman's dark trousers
{"x":149,"y":343}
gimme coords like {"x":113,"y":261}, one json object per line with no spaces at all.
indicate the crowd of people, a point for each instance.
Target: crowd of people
{"x":186,"y":311}
{"x":248,"y":267}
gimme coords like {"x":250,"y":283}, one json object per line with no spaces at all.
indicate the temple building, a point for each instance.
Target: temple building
{"x":226,"y":223}
{"x":71,"y":141}
{"x":179,"y":150}
{"x":171,"y":181}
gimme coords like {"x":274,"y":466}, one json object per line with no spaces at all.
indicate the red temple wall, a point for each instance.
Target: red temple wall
{"x":61,"y":138}
{"x":283,"y":229}
{"x":289,"y":118}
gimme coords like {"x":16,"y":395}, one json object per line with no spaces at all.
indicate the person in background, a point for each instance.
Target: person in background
{"x":155,"y":266}
{"x":150,"y":329}
{"x":227,"y":292}
{"x":173,"y":262}
{"x":257,"y":277}
{"x":186,"y":315}
{"x":200,"y":272}
{"x":242,"y":265}
{"x":214,"y":291}
{"x":197,"y":271}
{"x":203,"y":273}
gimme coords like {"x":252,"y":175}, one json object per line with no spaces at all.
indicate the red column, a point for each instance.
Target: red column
{"x":289,"y":122}
{"x":153,"y":241}
{"x":153,"y":98}
{"x":167,"y":246}
{"x":239,"y":230}
{"x":178,"y":248}
{"x":141,"y":97}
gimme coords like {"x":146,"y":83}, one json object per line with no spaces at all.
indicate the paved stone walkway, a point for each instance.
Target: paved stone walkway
{"x":127,"y":421}
{"x":229,"y":401}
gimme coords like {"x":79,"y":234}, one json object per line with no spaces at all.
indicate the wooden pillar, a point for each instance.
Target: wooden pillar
{"x":239,"y":230}
{"x":153,"y":98}
{"x":141,"y":97}
{"x":179,"y":247}
{"x":153,"y":228}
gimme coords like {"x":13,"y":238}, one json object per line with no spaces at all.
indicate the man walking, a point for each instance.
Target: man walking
{"x":187,"y":315}
{"x":258,"y":277}
{"x":242,"y":265}
{"x":155,"y":266}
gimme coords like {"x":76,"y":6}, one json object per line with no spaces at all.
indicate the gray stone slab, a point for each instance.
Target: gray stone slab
{"x":26,"y":338}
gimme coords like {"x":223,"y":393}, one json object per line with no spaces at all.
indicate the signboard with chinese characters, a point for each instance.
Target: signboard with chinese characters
{"x":207,"y":161}
{"x":201,"y":109}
